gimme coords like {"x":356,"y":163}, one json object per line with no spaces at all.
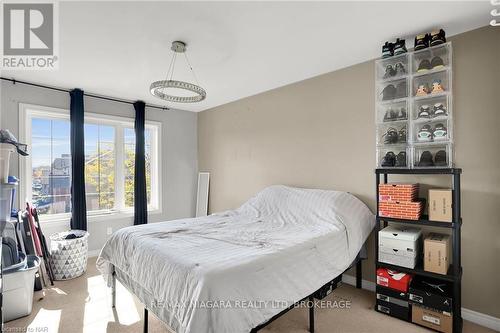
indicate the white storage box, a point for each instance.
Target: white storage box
{"x":394,"y":259}
{"x":399,"y":245}
{"x":18,"y":286}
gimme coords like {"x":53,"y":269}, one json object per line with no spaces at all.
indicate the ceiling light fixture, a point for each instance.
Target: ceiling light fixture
{"x":159,"y":88}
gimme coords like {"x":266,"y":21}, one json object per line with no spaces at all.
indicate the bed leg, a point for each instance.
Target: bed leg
{"x":359,"y":273}
{"x":311,"y":314}
{"x":113,"y":291}
{"x":145,"y":329}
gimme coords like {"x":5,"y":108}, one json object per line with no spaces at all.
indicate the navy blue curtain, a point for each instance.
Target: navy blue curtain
{"x":140,"y":196}
{"x":78,"y":205}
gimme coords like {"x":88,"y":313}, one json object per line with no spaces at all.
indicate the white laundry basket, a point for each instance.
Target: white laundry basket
{"x":68,"y":256}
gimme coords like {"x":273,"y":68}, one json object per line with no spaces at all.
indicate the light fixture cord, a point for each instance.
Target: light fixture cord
{"x":170,"y":66}
{"x":191,"y":68}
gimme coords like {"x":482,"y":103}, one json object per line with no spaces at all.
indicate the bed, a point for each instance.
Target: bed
{"x":236,"y":270}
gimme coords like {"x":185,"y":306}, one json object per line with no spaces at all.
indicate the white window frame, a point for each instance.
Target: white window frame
{"x":29,"y":111}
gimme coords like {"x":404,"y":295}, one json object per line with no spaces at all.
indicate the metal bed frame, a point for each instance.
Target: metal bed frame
{"x":332,"y":285}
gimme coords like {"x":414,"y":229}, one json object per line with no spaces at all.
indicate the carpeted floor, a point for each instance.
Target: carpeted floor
{"x":84,"y":305}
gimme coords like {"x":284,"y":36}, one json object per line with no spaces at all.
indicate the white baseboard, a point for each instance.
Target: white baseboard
{"x":470,"y":315}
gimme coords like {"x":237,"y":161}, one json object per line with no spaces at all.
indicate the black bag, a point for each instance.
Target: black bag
{"x":10,"y":253}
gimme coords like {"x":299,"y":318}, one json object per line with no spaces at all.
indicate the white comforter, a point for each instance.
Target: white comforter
{"x":231,"y":271}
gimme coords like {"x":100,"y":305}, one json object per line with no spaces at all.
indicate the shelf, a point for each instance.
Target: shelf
{"x":419,"y":271}
{"x":429,"y":96}
{"x":422,"y":171}
{"x":424,"y":221}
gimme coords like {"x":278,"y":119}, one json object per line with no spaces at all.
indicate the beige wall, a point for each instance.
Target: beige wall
{"x":320,"y":133}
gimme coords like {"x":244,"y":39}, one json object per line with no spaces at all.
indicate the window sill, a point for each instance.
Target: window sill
{"x":95,"y":218}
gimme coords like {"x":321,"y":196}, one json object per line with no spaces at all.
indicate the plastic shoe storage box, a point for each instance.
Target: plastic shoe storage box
{"x":18,"y":288}
{"x":433,"y":149}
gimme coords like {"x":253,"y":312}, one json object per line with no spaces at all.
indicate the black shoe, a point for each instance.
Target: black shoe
{"x":400,"y":69}
{"x":389,"y":71}
{"x":421,"y":41}
{"x":389,"y":160}
{"x":401,"y":159}
{"x":389,"y":92}
{"x":401,"y":90}
{"x":437,"y":37}
{"x":402,"y":114}
{"x":400,"y":47}
{"x":423,"y":66}
{"x":391,"y":136}
{"x":402,"y":134}
{"x":439,"y":110}
{"x":437,"y":62}
{"x":387,"y":50}
{"x":441,"y":158}
{"x":426,"y":159}
{"x":390,"y":115}
{"x":424,"y":112}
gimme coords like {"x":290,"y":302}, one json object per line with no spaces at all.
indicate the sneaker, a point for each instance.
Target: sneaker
{"x":402,"y":134}
{"x":390,"y":115}
{"x":402,"y":114}
{"x":387,"y":50}
{"x":391,"y":136}
{"x":437,"y":87}
{"x":389,"y":160}
{"x":426,"y":159}
{"x":439,"y":110}
{"x":400,"y":69}
{"x":389,"y":71}
{"x":440,"y":133}
{"x":440,"y":158}
{"x":424,"y":66}
{"x":389,"y":92}
{"x":425,"y":134}
{"x":401,"y":159}
{"x":401,"y":90}
{"x":422,"y":90}
{"x":400,"y":47}
{"x":437,"y":37}
{"x":437,"y":62}
{"x":421,"y":41}
{"x":424,"y":112}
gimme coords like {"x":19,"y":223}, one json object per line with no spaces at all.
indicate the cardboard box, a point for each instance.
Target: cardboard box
{"x":398,"y":192}
{"x":437,"y":320}
{"x":400,"y":210}
{"x":398,"y":309}
{"x":437,"y":253}
{"x":440,"y":205}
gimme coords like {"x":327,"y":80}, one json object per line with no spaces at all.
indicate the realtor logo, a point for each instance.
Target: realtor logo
{"x":29,"y":38}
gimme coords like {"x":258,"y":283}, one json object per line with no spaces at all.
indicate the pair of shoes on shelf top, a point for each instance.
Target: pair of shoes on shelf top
{"x":424,"y":89}
{"x":423,"y":41}
{"x":394,"y":49}
{"x":392,"y":160}
{"x":426,"y":159}
{"x":437,"y":110}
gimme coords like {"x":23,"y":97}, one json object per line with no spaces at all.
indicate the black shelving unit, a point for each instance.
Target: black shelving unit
{"x":454,"y":275}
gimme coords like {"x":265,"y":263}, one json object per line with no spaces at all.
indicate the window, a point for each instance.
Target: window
{"x":109,"y":162}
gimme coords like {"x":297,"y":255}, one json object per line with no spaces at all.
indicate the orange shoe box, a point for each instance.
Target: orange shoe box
{"x":401,"y":210}
{"x":398,"y":192}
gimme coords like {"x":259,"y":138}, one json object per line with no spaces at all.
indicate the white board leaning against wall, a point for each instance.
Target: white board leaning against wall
{"x":202,"y":196}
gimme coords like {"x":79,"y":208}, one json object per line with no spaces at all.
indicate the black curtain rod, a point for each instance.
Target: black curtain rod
{"x":112,"y":99}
